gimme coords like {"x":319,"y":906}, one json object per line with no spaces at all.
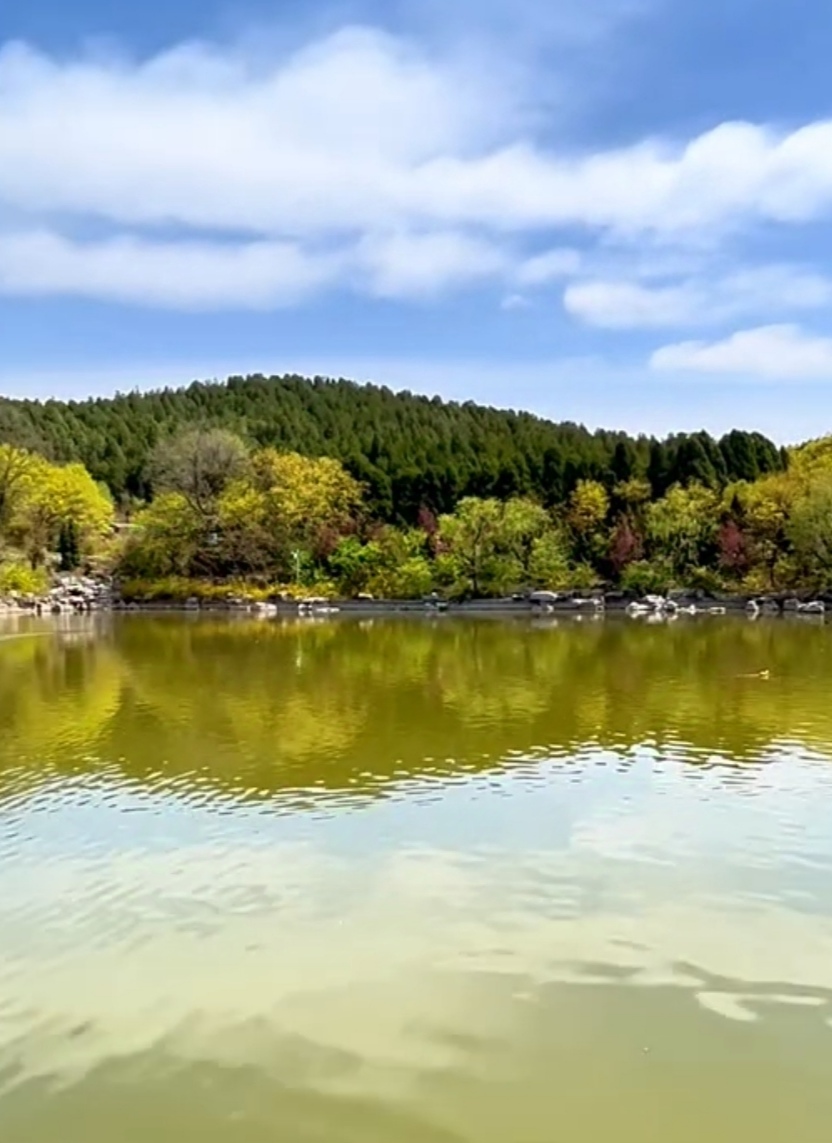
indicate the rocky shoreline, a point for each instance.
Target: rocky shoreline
{"x":84,"y":594}
{"x":70,"y":595}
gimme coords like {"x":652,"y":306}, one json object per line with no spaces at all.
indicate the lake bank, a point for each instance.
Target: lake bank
{"x":677,"y":605}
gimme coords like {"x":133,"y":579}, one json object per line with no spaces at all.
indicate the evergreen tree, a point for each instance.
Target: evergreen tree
{"x":69,"y":548}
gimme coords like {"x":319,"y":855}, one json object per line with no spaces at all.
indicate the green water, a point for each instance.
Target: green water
{"x":415,"y":882}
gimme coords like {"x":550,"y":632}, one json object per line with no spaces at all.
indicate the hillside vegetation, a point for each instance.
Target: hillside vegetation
{"x":409,"y":452}
{"x":262,"y":483}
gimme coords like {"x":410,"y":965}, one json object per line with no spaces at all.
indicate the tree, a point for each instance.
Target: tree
{"x":199,"y":465}
{"x":733,"y":549}
{"x":625,"y":545}
{"x":809,"y":529}
{"x":682,"y":525}
{"x":523,"y":523}
{"x":623,"y":462}
{"x":695,"y":462}
{"x":633,"y":493}
{"x":15,"y":464}
{"x":166,"y":542}
{"x":658,"y":468}
{"x":246,"y":540}
{"x":765,"y":508}
{"x":740,"y":455}
{"x":69,"y":548}
{"x":472,"y":534}
{"x":55,"y":496}
{"x":306,"y":496}
{"x":548,"y":567}
{"x":354,"y":563}
{"x":589,"y":506}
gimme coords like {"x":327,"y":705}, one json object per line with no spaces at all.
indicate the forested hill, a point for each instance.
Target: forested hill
{"x":410,"y":451}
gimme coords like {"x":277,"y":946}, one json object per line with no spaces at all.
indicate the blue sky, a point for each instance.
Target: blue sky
{"x":614,"y":211}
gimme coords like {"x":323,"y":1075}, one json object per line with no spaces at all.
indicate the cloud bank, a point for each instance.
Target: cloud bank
{"x":360,"y":132}
{"x":209,"y":178}
{"x":776,"y":352}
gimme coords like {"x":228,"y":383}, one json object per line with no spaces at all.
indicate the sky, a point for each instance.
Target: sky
{"x":609,"y":211}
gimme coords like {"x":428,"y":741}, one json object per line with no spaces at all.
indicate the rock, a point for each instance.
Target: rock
{"x":685,"y":595}
{"x":635,"y":608}
{"x":815,"y":607}
{"x":544,"y":597}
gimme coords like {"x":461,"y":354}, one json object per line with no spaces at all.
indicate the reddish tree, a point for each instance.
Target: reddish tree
{"x":427,"y":521}
{"x":626,"y":545}
{"x":733,"y":548}
{"x":326,"y":541}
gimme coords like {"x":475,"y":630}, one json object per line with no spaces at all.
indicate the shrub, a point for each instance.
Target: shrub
{"x":20,"y":579}
{"x":704,"y":579}
{"x":647,"y":578}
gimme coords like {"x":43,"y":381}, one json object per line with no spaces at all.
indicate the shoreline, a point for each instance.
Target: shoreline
{"x":650,"y":608}
{"x":80,"y":594}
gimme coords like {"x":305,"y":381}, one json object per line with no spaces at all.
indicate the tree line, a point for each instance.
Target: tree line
{"x":408,"y":452}
{"x":361,"y":491}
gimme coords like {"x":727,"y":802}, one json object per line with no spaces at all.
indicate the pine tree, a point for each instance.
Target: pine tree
{"x":69,"y":548}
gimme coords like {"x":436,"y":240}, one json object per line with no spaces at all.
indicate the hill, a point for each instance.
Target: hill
{"x":409,"y":451}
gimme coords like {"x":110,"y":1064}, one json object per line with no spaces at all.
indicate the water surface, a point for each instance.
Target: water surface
{"x":415,"y":881}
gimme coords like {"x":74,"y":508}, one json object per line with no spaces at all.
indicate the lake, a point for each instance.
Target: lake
{"x":415,"y":881}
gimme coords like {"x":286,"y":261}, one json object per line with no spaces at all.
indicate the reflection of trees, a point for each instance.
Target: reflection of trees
{"x":57,"y":698}
{"x":261,"y":707}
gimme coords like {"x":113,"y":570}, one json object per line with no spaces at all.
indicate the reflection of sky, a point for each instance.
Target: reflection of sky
{"x":635,"y":806}
{"x":359,"y":946}
{"x":668,"y":826}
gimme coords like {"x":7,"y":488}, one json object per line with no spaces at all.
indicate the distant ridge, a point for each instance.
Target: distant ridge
{"x":411,"y":451}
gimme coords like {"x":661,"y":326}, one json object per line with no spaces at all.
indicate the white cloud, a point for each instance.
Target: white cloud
{"x":631,"y":305}
{"x":324,"y":140}
{"x":548,"y":267}
{"x":777,"y":352}
{"x":358,"y":130}
{"x":266,"y":273}
{"x":628,"y":305}
{"x":186,"y":275}
{"x":412,"y":265}
{"x":364,"y":160}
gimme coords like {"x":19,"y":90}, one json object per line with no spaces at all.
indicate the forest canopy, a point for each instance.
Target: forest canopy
{"x":409,"y":452}
{"x":318,"y":484}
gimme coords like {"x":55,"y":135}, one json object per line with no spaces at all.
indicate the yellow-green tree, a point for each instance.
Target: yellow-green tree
{"x":52,"y":496}
{"x":809,"y":531}
{"x":764,"y":508}
{"x":306,"y":496}
{"x":523,"y":524}
{"x":490,"y":546}
{"x":15,"y":463}
{"x":587,"y":512}
{"x":682,"y":526}
{"x":471,"y":538}
{"x":166,"y":541}
{"x":402,"y":569}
